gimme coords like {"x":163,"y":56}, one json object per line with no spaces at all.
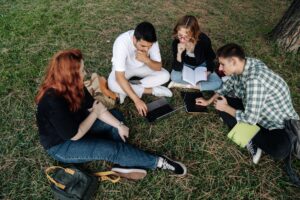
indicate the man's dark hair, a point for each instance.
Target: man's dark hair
{"x":230,"y":50}
{"x":145,"y":31}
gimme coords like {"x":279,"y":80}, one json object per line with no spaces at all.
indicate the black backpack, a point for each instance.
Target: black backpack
{"x":73,"y":183}
{"x":292,"y":128}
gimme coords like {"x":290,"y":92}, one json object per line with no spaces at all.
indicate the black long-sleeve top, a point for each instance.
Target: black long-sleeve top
{"x":203,"y":53}
{"x":56,"y":123}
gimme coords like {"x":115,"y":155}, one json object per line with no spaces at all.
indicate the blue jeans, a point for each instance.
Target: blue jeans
{"x":103,"y":142}
{"x":213,"y":82}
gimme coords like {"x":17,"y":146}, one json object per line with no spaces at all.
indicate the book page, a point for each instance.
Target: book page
{"x":188,"y":75}
{"x":200,"y":74}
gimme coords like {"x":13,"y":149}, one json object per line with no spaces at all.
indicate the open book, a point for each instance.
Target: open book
{"x":193,"y":76}
{"x":242,"y":133}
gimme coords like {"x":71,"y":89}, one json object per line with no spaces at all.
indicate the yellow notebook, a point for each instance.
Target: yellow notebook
{"x":242,"y":133}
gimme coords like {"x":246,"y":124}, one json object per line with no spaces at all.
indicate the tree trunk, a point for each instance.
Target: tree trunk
{"x":287,"y":32}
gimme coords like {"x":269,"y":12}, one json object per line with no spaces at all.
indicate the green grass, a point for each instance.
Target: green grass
{"x":32,"y":31}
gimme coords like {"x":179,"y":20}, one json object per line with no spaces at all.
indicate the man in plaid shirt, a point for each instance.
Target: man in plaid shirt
{"x":257,"y":96}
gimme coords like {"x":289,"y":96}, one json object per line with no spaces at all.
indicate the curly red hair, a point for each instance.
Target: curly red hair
{"x":64,"y":76}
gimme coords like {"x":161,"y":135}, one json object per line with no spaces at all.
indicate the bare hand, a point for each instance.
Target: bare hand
{"x":180,"y":48}
{"x":123,"y":132}
{"x":141,"y":107}
{"x":98,"y":108}
{"x":142,"y":56}
{"x":202,"y":102}
{"x":220,"y":104}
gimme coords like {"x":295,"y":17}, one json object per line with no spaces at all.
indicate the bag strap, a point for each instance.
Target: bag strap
{"x":57,"y":184}
{"x":103,"y":176}
{"x":293,"y":176}
{"x":108,"y":176}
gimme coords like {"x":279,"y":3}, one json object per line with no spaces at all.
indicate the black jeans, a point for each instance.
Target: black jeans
{"x":273,"y":142}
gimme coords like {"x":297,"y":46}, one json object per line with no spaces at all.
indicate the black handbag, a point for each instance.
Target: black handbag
{"x":73,"y":183}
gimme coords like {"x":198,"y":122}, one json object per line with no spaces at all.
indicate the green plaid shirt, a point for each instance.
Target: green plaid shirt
{"x":265,"y":95}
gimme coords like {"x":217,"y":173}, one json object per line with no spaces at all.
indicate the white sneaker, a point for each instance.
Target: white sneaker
{"x":176,"y":167}
{"x":178,"y":85}
{"x":254,"y":151}
{"x":171,"y":85}
{"x":257,"y":156}
{"x":161,"y":91}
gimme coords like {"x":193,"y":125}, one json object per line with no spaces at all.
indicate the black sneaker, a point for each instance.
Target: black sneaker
{"x":176,"y":167}
{"x":254,"y":151}
{"x":131,"y":173}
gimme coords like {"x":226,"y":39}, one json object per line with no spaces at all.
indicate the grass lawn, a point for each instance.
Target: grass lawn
{"x":31,"y":31}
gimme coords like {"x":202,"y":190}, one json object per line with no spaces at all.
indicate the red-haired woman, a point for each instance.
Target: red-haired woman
{"x":192,"y":48}
{"x":74,"y":128}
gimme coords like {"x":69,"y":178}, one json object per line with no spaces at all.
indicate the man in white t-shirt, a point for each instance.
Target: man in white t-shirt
{"x":136,"y":54}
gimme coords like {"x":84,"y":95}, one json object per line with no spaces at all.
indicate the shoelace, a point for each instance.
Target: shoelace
{"x":251,"y":148}
{"x":166,"y":165}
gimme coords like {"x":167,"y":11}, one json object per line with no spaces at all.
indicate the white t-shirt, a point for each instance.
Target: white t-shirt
{"x":124,"y":53}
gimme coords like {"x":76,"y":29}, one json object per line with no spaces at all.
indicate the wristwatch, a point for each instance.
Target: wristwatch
{"x":121,"y":124}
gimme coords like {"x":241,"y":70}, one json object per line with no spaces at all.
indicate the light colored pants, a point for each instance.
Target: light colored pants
{"x":213,"y":82}
{"x":150,"y":79}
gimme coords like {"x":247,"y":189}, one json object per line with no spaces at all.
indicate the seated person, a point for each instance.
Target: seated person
{"x":136,"y":54}
{"x":260,"y":97}
{"x":192,"y":48}
{"x":74,"y":128}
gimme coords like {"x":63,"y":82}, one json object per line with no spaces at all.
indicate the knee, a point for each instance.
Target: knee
{"x":216,"y":81}
{"x":164,"y":76}
{"x":174,"y":77}
{"x":219,"y":83}
{"x":282,"y":150}
{"x":113,"y":84}
{"x":111,"y":81}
